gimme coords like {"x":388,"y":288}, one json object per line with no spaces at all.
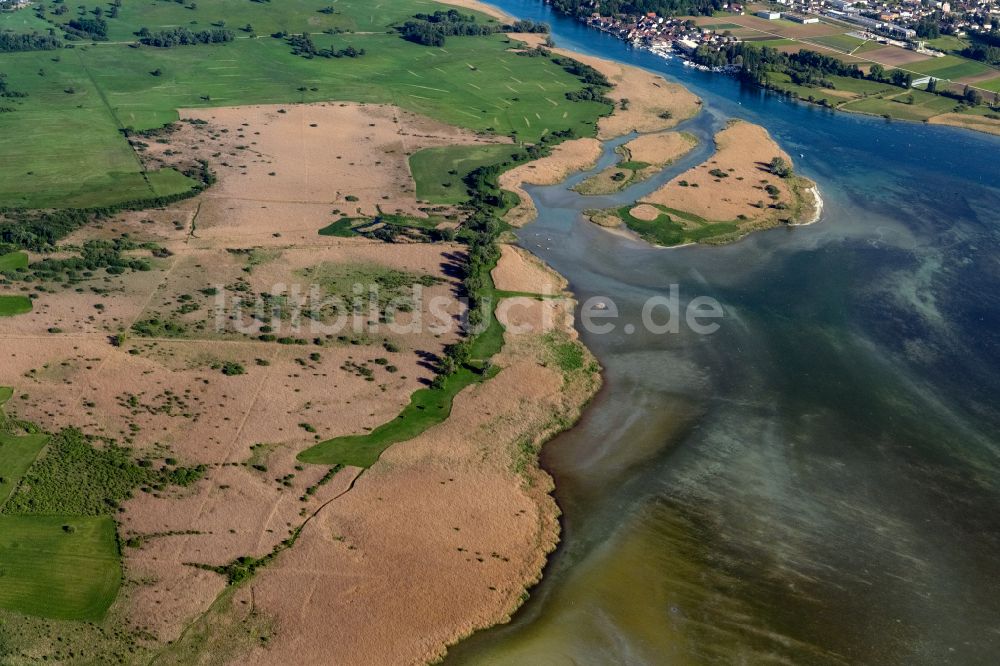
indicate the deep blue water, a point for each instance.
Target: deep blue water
{"x":818,"y":481}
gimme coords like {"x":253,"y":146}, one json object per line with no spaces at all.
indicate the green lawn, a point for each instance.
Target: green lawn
{"x":16,"y":456}
{"x":14,"y":305}
{"x":947,"y":43}
{"x":58,"y":567}
{"x":438,"y":172}
{"x":66,"y":148}
{"x":12,"y":261}
{"x":949,"y":67}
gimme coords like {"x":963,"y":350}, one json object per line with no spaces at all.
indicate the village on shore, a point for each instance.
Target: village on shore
{"x":910,"y":25}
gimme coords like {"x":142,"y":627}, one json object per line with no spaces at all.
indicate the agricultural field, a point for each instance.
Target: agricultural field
{"x":83,"y":98}
{"x":439,"y":172}
{"x":949,"y":67}
{"x":59,"y":567}
{"x":925,"y":105}
{"x":990,"y":84}
{"x":839,"y":42}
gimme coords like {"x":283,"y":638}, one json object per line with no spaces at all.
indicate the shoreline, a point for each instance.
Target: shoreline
{"x":667,"y":50}
{"x":818,"y":208}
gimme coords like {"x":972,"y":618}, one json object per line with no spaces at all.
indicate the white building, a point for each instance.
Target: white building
{"x":800,"y":18}
{"x":770,"y":16}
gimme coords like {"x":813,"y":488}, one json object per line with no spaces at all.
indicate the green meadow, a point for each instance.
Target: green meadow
{"x":666,"y":230}
{"x":14,"y":305}
{"x":439,"y":172}
{"x":13,"y":261}
{"x":844,"y":43}
{"x":63,"y":144}
{"x":16,"y":456}
{"x":924,"y":106}
{"x":59,"y":567}
{"x":949,"y":67}
{"x":991,"y":84}
{"x":264,"y":17}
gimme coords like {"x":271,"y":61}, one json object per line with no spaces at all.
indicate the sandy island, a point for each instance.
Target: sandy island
{"x":641,"y":158}
{"x":733,"y":193}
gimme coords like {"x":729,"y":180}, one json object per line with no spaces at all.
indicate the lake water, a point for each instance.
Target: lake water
{"x":818,"y":482}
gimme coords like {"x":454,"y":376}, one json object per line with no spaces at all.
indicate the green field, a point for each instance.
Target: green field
{"x":925,"y":105}
{"x":773,"y":42}
{"x":949,"y":67}
{"x":438,"y":172}
{"x":861,"y":86}
{"x":844,"y":43}
{"x":6,"y":393}
{"x":59,"y":567}
{"x":13,"y":261}
{"x":666,"y":231}
{"x":62,"y":144}
{"x":297,"y":16}
{"x":991,"y":84}
{"x":16,"y":456}
{"x":14,"y":305}
{"x":858,"y":87}
{"x":947,"y":43}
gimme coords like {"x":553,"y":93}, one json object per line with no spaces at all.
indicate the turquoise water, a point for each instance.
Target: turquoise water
{"x":819,"y":481}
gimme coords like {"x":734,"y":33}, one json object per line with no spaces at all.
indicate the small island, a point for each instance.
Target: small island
{"x":747,"y":185}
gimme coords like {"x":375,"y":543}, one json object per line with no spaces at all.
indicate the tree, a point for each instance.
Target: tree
{"x":876,"y":72}
{"x":972,"y":96}
{"x":779,"y":167}
{"x":932,"y":85}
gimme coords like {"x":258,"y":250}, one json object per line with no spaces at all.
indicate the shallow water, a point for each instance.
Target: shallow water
{"x":818,"y":481}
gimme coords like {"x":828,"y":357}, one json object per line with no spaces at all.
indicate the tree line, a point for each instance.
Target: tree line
{"x":434,"y":29}
{"x":806,"y":68}
{"x":184,"y":37}
{"x":581,"y":8}
{"x":303,"y":45}
{"x":36,"y":41}
{"x":95,"y":29}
